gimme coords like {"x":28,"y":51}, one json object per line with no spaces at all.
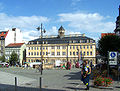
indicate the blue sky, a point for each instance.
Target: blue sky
{"x":91,"y":17}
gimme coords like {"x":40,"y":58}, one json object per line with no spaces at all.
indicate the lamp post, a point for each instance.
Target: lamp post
{"x":40,"y":28}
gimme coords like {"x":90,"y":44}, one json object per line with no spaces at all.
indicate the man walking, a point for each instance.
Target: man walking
{"x":85,"y":73}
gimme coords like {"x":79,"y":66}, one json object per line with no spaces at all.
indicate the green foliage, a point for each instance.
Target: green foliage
{"x":103,"y":81}
{"x":2,"y":58}
{"x":13,"y":58}
{"x":108,"y":43}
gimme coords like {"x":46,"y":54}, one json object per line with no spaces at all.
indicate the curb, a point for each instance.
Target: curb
{"x":101,"y":87}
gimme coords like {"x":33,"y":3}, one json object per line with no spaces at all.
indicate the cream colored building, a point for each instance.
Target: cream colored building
{"x":61,"y":47}
{"x":18,"y":48}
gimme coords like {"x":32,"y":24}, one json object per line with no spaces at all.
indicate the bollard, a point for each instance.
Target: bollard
{"x":15,"y":83}
{"x":41,"y":71}
{"x":40,"y":84}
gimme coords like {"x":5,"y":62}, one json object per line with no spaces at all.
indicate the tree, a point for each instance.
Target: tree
{"x":108,"y":43}
{"x":13,"y":58}
{"x":2,"y":58}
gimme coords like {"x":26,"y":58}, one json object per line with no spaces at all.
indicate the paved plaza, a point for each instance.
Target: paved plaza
{"x":52,"y":80}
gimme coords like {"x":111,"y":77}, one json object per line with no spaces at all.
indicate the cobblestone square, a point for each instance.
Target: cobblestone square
{"x":52,"y":80}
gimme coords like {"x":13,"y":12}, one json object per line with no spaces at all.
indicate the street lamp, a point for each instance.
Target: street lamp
{"x":40,"y":28}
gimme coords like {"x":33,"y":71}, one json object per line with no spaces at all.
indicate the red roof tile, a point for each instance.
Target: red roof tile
{"x":15,"y":44}
{"x":104,"y":34}
{"x":3,"y":34}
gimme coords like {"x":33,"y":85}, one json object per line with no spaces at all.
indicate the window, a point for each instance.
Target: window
{"x":76,"y":47}
{"x":76,"y":53}
{"x":37,"y":48}
{"x":81,"y":53}
{"x":43,"y":48}
{"x":91,"y":53}
{"x":34,"y":53}
{"x":58,"y":53}
{"x":63,"y":47}
{"x":29,"y":60}
{"x":43,"y":53}
{"x":29,"y":48}
{"x":53,"y":53}
{"x":34,"y":48}
{"x":87,"y":53}
{"x":31,"y":53}
{"x":87,"y":47}
{"x":37,"y":53}
{"x":70,"y":53}
{"x":91,"y":41}
{"x":91,"y":46}
{"x":84,"y":46}
{"x":73,"y":53}
{"x":46,"y":48}
{"x":70,"y":47}
{"x":46,"y":53}
{"x":2,"y":37}
{"x":40,"y":53}
{"x":58,"y":47}
{"x":52,"y":47}
{"x":64,"y":53}
{"x":84,"y":53}
{"x":40,"y":48}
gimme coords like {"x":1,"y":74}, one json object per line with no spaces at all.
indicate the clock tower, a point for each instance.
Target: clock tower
{"x":61,"y":32}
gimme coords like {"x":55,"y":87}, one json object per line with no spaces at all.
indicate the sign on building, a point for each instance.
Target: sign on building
{"x":112,"y":58}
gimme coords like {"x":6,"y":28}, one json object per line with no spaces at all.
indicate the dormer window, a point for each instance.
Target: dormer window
{"x":2,"y":37}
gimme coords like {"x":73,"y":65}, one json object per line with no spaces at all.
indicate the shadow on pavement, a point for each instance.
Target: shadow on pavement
{"x":73,"y":88}
{"x":74,"y":76}
{"x":117,"y":86}
{"x":6,"y":87}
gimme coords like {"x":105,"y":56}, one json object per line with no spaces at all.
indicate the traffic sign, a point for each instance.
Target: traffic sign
{"x":112,"y":58}
{"x":112,"y":55}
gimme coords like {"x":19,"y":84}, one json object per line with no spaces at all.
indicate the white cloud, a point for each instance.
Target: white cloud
{"x":34,"y":34}
{"x":92,"y":22}
{"x":52,"y":31}
{"x":74,"y":2}
{"x":24,"y":22}
{"x":30,"y":35}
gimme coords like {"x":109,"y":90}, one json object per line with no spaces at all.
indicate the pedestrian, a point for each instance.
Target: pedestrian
{"x":85,"y":73}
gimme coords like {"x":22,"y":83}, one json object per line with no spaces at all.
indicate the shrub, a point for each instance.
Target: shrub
{"x":103,"y":81}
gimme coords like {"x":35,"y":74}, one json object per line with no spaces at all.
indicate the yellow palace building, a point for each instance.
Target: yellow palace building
{"x":61,"y":47}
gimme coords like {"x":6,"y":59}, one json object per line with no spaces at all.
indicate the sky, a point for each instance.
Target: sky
{"x":91,"y":17}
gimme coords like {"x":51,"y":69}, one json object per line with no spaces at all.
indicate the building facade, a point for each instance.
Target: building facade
{"x":19,"y":49}
{"x":9,"y":36}
{"x":117,"y":29}
{"x":3,"y":35}
{"x":61,"y":47}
